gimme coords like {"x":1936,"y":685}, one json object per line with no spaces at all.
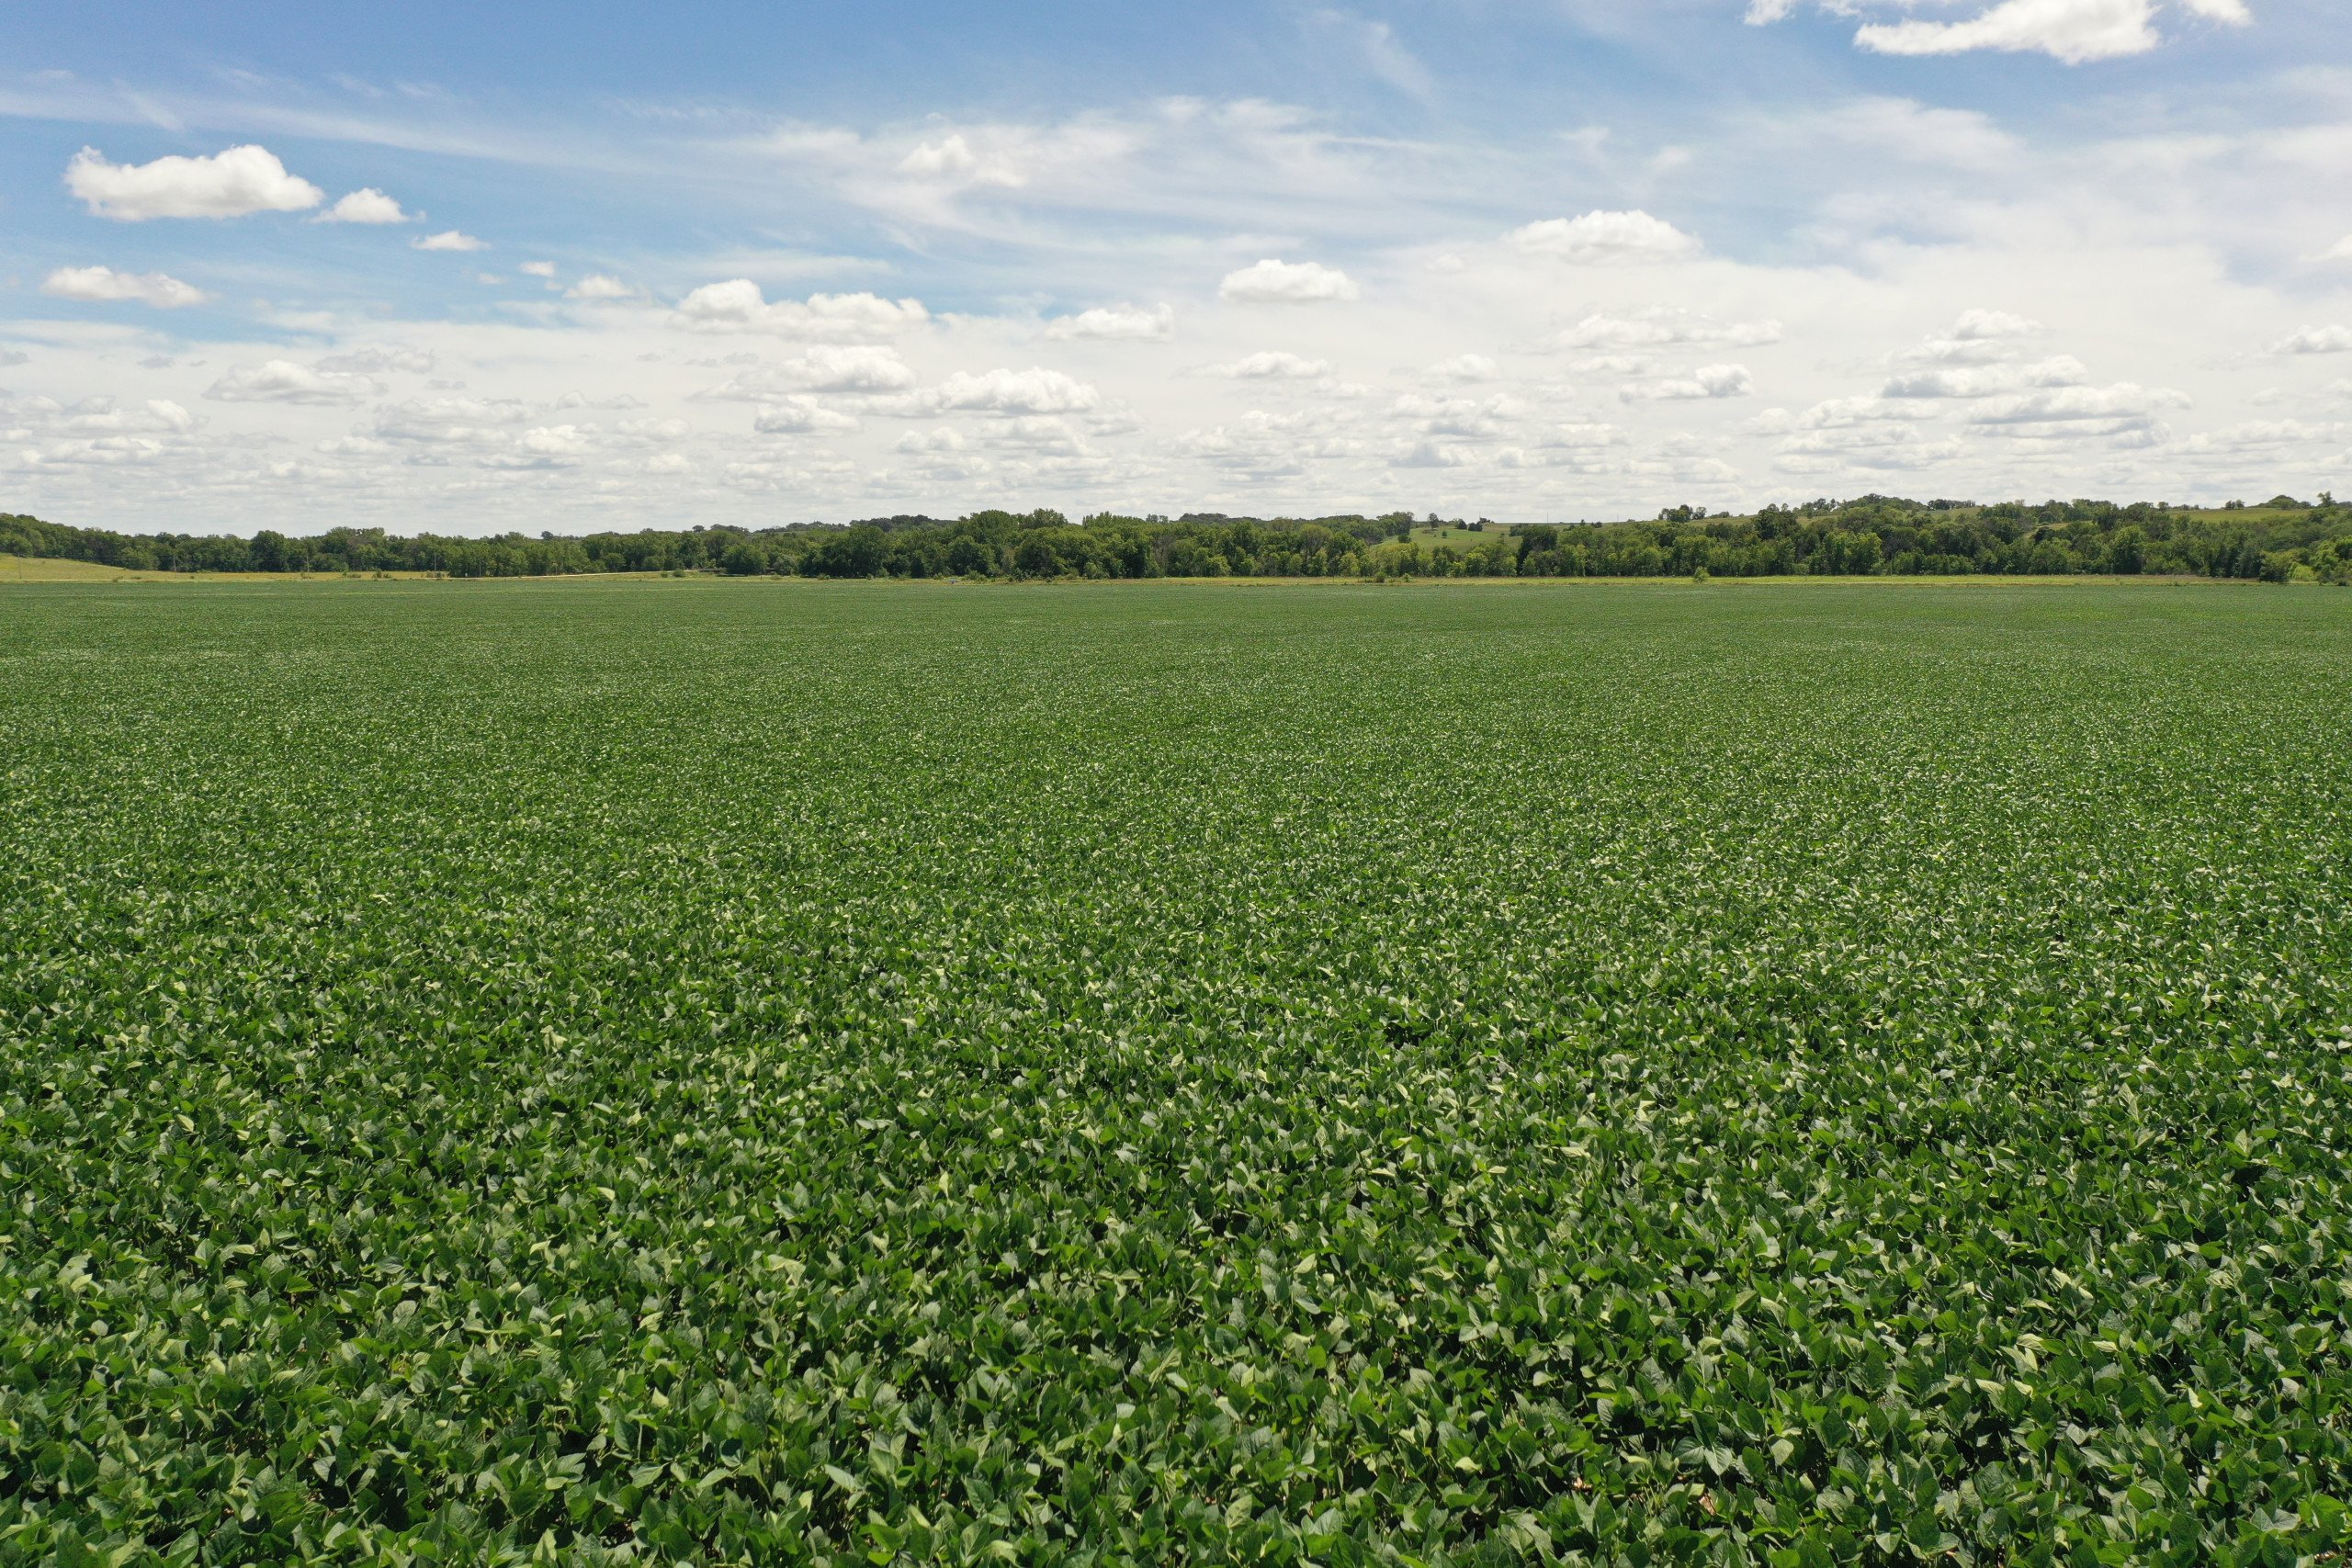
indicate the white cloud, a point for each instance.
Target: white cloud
{"x":1874,"y":448}
{"x":2075,"y":31}
{"x":1434,"y":455}
{"x":2069,"y":412}
{"x":1272,"y":282}
{"x":103,"y":285}
{"x":953,"y":160}
{"x":14,"y":356}
{"x":450,"y":239}
{"x":376,"y":358}
{"x":1947,"y":381}
{"x":1461,"y":418}
{"x":283,"y":381}
{"x":1033,"y":391}
{"x":1117,"y":322}
{"x":738,"y":306}
{"x":368,"y":206}
{"x":100,"y":416}
{"x":1605,"y":238}
{"x":2262,"y":436}
{"x":1708,"y":381}
{"x":2339,"y":252}
{"x":1839,"y":412}
{"x":799,"y":416}
{"x":2316,"y":340}
{"x":1664,"y":329}
{"x":227,"y":184}
{"x":600,"y":285}
{"x":950,"y":158}
{"x":1980,"y":325}
{"x":1978,"y":337}
{"x":649,"y":432}
{"x":1464,"y":367}
{"x":1272,"y":365}
{"x":1005,"y":393}
{"x":538,"y":269}
{"x":823,"y":368}
{"x":549,"y":446}
{"x":455,"y":422}
{"x":2071,"y":31}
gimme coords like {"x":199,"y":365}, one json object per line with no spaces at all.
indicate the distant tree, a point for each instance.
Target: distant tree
{"x":2129,"y":554}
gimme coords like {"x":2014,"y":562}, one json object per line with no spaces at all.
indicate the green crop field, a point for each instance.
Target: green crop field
{"x":759,"y":1072}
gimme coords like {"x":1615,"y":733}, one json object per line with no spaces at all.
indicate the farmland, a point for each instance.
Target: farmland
{"x":769,"y":1070}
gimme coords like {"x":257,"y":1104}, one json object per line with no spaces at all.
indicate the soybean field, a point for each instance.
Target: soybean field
{"x":746,"y":1072}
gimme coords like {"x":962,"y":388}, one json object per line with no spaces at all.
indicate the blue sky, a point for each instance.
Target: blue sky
{"x":759,"y":263}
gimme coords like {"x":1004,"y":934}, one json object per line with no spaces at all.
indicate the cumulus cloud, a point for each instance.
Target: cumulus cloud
{"x":549,"y":446}
{"x":950,"y":157}
{"x":2339,"y":252}
{"x":1434,"y":455}
{"x":102,"y":416}
{"x":1272,"y":282}
{"x":2261,"y":436}
{"x":799,"y":416}
{"x":1465,"y":419}
{"x":1962,"y":381}
{"x":283,"y":381}
{"x":1708,"y":381}
{"x":1841,"y":412}
{"x":1261,"y":446}
{"x":738,"y":306}
{"x":1875,"y":447}
{"x":450,"y":239}
{"x":1978,"y":337}
{"x":1117,"y":322}
{"x":1036,"y":390}
{"x":103,"y":285}
{"x":368,"y":206}
{"x":1464,"y":367}
{"x":1665,"y":328}
{"x":823,"y":368}
{"x":1598,"y":239}
{"x":372,"y":359}
{"x":599,"y":285}
{"x":1272,"y":365}
{"x":1584,"y":437}
{"x":2316,"y":340}
{"x":93,"y":433}
{"x":231,"y":183}
{"x":455,"y":422}
{"x":2124,"y":414}
{"x":538,"y":269}
{"x":1981,"y":325}
{"x":2075,"y":31}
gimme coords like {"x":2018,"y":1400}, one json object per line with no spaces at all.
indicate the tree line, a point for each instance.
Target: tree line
{"x":2280,"y":540}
